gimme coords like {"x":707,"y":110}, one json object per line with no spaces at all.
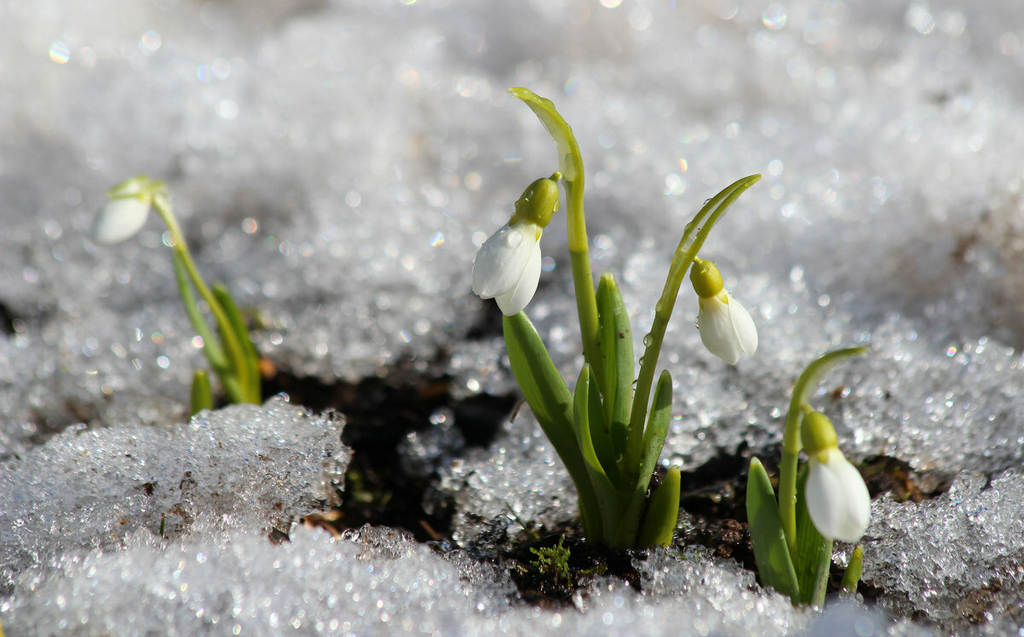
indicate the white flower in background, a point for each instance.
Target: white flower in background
{"x":126,"y":211}
{"x":726,"y":328}
{"x":837,"y":498}
{"x":507,"y":266}
{"x":119,"y":219}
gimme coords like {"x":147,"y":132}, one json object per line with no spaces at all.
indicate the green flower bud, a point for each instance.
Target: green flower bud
{"x":818,"y":434}
{"x":706,"y":279}
{"x":539,"y":202}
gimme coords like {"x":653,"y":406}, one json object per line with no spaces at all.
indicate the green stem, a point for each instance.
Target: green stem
{"x":791,"y":442}
{"x":234,"y":348}
{"x":693,"y":239}
{"x":851,"y":577}
{"x":570,"y":164}
{"x":787,"y":470}
{"x":582,"y":276}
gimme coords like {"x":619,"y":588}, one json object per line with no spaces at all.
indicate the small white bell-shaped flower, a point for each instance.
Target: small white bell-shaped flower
{"x":126,"y":211}
{"x":507,"y":266}
{"x":837,"y":498}
{"x":726,"y":328}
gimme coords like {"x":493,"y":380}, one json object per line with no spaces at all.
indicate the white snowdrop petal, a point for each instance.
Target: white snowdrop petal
{"x":726,"y":328}
{"x":500,"y":262}
{"x":516,"y":300}
{"x":743,"y":327}
{"x":119,"y":220}
{"x":837,"y":498}
{"x":716,"y":330}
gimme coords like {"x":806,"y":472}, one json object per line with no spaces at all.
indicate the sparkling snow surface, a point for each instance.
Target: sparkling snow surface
{"x":337,"y":164}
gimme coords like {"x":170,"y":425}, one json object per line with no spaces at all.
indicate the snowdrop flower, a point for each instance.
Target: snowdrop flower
{"x":837,"y":498}
{"x":125,"y":212}
{"x":726,"y":328}
{"x":507,"y":266}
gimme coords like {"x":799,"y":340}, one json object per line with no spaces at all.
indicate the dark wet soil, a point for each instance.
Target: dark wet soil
{"x":380,"y":412}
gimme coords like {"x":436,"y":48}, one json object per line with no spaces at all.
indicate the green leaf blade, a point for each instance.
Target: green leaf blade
{"x":617,"y":351}
{"x":813,"y":556}
{"x":538,"y":378}
{"x":657,"y":430}
{"x":201,"y":396}
{"x":570,"y":162}
{"x":663,"y":512}
{"x":605,"y":492}
{"x":771,"y":552}
{"x":608,"y":453}
{"x":851,"y":576}
{"x":552,"y":404}
{"x":251,"y":358}
{"x":212,"y":349}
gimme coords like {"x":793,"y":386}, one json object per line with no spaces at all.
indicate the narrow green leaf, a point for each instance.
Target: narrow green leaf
{"x":657,"y":430}
{"x":538,"y":378}
{"x":601,"y":436}
{"x":252,"y":357}
{"x":201,"y":396}
{"x":570,"y":162}
{"x":654,"y":440}
{"x":604,"y":490}
{"x":552,"y":403}
{"x":617,"y":350}
{"x":211,"y":347}
{"x":813,"y":556}
{"x":770,"y":550}
{"x":851,"y":577}
{"x":662,"y":513}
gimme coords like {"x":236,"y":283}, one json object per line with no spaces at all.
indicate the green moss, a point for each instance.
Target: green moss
{"x":553,"y":561}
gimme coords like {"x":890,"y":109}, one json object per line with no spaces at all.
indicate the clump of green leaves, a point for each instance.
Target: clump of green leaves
{"x":609,"y":430}
{"x":826,"y":499}
{"x":231,"y":353}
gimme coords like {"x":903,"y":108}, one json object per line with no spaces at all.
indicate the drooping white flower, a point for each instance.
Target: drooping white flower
{"x":837,"y":498}
{"x":126,"y":211}
{"x":119,"y":219}
{"x":726,"y":328}
{"x":507,"y":267}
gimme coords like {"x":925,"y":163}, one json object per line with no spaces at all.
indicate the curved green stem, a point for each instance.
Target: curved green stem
{"x":570,"y":164}
{"x":693,"y":239}
{"x":234,"y":349}
{"x":791,"y":443}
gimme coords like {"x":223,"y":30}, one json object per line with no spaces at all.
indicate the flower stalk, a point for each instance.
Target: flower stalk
{"x":233,"y":356}
{"x":793,"y":536}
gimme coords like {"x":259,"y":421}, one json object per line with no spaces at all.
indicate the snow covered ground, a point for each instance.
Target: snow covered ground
{"x":336,"y":164}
